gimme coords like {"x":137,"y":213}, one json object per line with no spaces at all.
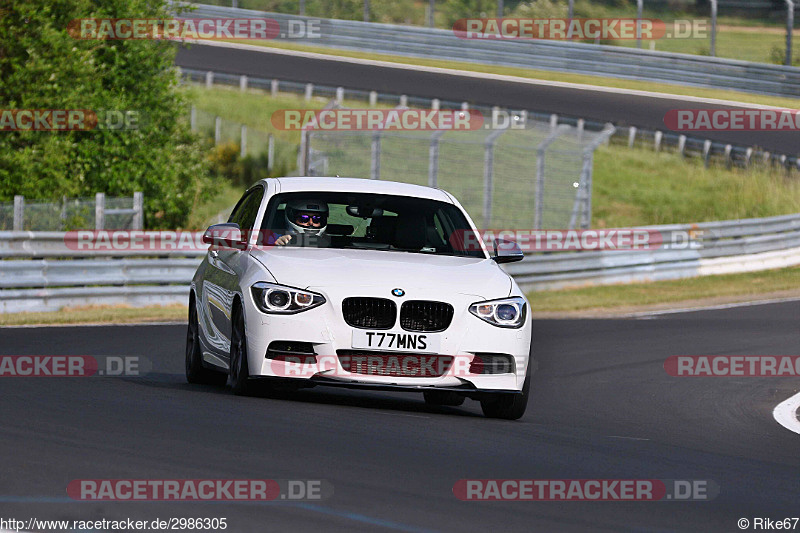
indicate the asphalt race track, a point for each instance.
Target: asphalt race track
{"x":603,"y":106}
{"x":602,"y":407}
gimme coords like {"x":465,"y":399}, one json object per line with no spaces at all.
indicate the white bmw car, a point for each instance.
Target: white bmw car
{"x":359,"y":283}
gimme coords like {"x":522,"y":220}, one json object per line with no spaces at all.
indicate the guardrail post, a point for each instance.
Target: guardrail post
{"x":581,"y":125}
{"x":217,"y":130}
{"x":748,"y":156}
{"x":488,"y":175}
{"x":403,"y":100}
{"x":339,"y":95}
{"x":435,"y":104}
{"x":553,"y":122}
{"x":657,"y":143}
{"x":375,"y":156}
{"x":309,"y":91}
{"x":373,"y":98}
{"x":99,"y":211}
{"x":433,"y":158}
{"x":209,"y":79}
{"x":767,"y":158}
{"x":706,"y":152}
{"x":631,"y":136}
{"x":273,"y":88}
{"x":464,"y":106}
{"x":242,"y":83}
{"x":138,"y":207}
{"x":193,"y":118}
{"x":713,"y":28}
{"x":19,"y":213}
{"x":270,"y":153}
{"x":728,"y":149}
{"x":243,"y":142}
{"x":682,"y":144}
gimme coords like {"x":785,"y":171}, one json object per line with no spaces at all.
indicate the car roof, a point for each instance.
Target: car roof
{"x":314,"y":183}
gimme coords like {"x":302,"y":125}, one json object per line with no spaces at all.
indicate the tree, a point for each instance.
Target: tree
{"x":43,"y":67}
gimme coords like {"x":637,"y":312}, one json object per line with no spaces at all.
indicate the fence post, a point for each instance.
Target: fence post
{"x":435,"y":104}
{"x":243,"y":142}
{"x":748,"y":154}
{"x":553,"y":121}
{"x":63,"y":216}
{"x":464,"y":106}
{"x":99,"y":211}
{"x":639,"y":8}
{"x":706,"y":152}
{"x":375,"y":156}
{"x":305,"y":141}
{"x":631,"y":136}
{"x":209,"y":79}
{"x":366,"y":10}
{"x":681,"y":144}
{"x":138,"y":206}
{"x":217,"y":130}
{"x":713,"y":28}
{"x":242,"y":83}
{"x":431,"y":10}
{"x":373,"y":98}
{"x":403,"y":100}
{"x":270,"y":153}
{"x":581,"y":124}
{"x":273,"y":88}
{"x":658,"y":138}
{"x":488,"y":175}
{"x":433,"y":158}
{"x":19,"y":212}
{"x":538,"y":213}
{"x":789,"y":30}
{"x":340,"y":94}
{"x":193,"y":119}
{"x":309,"y":91}
{"x":302,"y":8}
{"x":728,"y":149}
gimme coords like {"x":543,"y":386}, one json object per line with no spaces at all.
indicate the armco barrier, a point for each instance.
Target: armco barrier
{"x":599,"y":60}
{"x":41,"y":272}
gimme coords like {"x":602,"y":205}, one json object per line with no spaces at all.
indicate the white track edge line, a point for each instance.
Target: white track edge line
{"x":785,"y":413}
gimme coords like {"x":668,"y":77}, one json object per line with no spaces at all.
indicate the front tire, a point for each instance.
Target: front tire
{"x":508,"y":406}
{"x":195,"y":371}
{"x":240,"y":371}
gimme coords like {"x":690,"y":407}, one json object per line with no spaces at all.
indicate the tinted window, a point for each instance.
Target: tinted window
{"x":246,"y":210}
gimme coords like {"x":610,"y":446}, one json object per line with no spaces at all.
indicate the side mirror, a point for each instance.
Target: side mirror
{"x":227,"y":235}
{"x":506,"y":251}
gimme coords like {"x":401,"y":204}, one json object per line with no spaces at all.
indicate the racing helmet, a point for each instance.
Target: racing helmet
{"x":314,"y":207}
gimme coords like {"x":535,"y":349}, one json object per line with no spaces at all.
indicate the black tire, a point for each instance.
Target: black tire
{"x":443,"y":397}
{"x":195,"y":371}
{"x":508,"y":406}
{"x":240,"y":372}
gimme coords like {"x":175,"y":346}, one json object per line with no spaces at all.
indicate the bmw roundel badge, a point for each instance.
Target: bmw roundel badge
{"x":398,"y":292}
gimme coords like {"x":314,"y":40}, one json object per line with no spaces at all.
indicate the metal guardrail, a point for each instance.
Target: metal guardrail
{"x":43,"y":271}
{"x":598,"y":60}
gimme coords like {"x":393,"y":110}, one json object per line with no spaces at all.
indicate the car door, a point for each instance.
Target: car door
{"x":221,"y":283}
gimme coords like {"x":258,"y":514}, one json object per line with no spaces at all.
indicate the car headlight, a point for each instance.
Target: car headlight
{"x":504,"y":313}
{"x":279,"y":299}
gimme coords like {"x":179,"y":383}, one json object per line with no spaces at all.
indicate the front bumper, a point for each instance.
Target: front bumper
{"x":325,"y":329}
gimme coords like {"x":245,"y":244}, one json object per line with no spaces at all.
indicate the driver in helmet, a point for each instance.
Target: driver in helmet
{"x":306,"y":221}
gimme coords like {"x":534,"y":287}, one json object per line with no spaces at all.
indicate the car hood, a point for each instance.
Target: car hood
{"x":328,"y":267}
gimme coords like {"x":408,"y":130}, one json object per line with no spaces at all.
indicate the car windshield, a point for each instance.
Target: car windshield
{"x":370,"y":221}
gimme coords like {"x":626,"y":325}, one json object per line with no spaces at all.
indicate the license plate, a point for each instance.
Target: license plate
{"x":396,"y":342}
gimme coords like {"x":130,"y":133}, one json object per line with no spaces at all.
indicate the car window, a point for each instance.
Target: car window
{"x":246,"y":210}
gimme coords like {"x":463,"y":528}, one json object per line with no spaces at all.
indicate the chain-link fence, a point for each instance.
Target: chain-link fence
{"x":100,"y":212}
{"x":538,"y":176}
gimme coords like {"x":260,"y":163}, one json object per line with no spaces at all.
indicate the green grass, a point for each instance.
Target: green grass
{"x":222,"y":201}
{"x":686,"y":292}
{"x":546,"y":75}
{"x":98,"y":315}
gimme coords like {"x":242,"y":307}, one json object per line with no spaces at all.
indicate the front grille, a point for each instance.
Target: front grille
{"x":369,"y":313}
{"x":423,"y":315}
{"x":405,"y":365}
